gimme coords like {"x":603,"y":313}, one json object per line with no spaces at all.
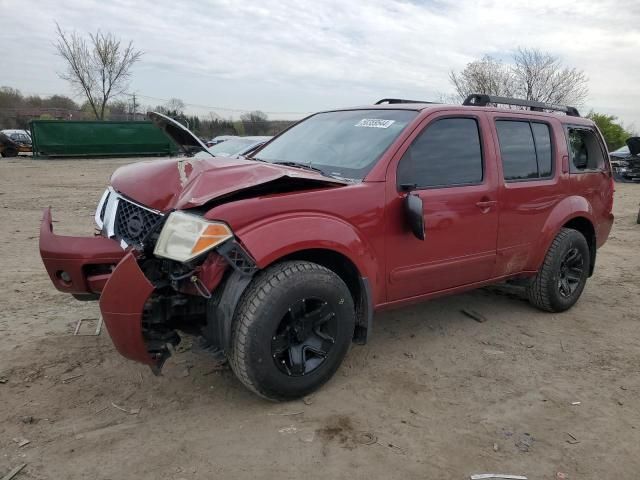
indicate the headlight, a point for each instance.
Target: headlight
{"x":185,"y":236}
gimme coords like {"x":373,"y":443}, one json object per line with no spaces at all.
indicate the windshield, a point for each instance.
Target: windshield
{"x":346,"y":144}
{"x":231,"y":147}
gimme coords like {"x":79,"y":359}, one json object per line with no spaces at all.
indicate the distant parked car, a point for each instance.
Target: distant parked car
{"x":219,"y":139}
{"x":191,"y":145}
{"x":238,"y":146}
{"x":13,"y":142}
{"x":625,"y":162}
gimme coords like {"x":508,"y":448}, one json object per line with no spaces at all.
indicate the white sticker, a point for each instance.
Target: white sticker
{"x":374,"y":123}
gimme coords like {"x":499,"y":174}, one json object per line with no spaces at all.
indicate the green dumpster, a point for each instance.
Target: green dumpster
{"x":61,"y":138}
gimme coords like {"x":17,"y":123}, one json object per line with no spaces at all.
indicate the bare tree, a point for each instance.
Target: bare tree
{"x":486,"y":75}
{"x":176,"y":106}
{"x":254,"y":123}
{"x":541,"y":76}
{"x":533,"y":75}
{"x":99,"y":68}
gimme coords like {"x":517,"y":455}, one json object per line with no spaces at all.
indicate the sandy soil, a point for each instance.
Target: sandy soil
{"x":434,"y":395}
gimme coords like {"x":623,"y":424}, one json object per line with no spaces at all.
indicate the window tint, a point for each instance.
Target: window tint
{"x":446,"y":153}
{"x":525,"y":149}
{"x":586,"y":153}
{"x":517,"y":150}
{"x":542,"y":138}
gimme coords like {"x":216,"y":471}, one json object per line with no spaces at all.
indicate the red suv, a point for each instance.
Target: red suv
{"x":278,"y":260}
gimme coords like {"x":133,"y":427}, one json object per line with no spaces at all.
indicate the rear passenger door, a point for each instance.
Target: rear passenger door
{"x":530,"y":186}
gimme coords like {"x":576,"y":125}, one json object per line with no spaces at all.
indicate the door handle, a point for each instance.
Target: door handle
{"x":486,"y":204}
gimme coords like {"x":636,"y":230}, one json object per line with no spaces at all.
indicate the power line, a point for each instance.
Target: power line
{"x":210,"y":107}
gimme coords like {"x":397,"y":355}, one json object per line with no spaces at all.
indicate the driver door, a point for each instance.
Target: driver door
{"x":450,"y":164}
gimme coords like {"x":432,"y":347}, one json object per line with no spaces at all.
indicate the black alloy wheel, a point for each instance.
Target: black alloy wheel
{"x":571,"y":272}
{"x":304,"y":337}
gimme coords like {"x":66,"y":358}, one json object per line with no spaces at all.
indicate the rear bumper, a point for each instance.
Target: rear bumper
{"x":77,"y":265}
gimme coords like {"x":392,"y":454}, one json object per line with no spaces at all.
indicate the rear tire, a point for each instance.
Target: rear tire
{"x":10,"y":152}
{"x":563,"y":275}
{"x":291,"y":330}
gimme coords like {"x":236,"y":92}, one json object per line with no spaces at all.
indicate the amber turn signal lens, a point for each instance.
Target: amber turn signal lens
{"x":211,"y":236}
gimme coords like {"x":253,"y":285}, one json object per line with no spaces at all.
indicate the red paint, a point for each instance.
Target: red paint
{"x":74,"y":255}
{"x":475,"y":235}
{"x":121,"y":304}
{"x":207,"y":179}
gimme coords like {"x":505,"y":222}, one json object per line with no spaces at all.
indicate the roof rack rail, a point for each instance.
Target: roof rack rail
{"x":482,"y":100}
{"x":399,"y":100}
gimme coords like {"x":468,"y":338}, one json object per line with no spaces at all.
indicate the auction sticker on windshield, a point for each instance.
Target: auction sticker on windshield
{"x":374,"y":123}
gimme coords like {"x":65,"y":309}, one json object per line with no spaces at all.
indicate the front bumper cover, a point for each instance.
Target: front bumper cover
{"x":122,"y":304}
{"x":77,"y":265}
{"x":98,"y":265}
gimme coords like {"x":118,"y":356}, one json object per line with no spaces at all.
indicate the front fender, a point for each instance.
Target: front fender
{"x":566,"y":210}
{"x":277,"y":237}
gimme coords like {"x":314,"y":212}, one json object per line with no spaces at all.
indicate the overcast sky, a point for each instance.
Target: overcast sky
{"x":302,"y":56}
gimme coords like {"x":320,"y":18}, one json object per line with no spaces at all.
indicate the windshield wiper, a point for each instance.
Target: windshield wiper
{"x":301,"y":165}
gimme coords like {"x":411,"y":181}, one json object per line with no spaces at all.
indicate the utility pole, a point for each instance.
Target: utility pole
{"x":135,"y":106}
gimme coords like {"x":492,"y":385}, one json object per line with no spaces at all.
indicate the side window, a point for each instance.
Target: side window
{"x":525,"y":149}
{"x":446,"y":153}
{"x":585,"y":150}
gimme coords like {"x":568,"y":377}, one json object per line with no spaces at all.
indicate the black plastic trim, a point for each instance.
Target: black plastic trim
{"x":392,"y":101}
{"x":482,"y":100}
{"x":364,"y":325}
{"x":239,"y":259}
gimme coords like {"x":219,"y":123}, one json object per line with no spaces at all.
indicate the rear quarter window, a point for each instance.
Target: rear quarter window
{"x":585,"y":150}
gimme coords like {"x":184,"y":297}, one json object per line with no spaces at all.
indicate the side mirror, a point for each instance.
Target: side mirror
{"x":415,"y":215}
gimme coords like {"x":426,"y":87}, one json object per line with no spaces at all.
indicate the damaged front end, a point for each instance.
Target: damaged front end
{"x":157,"y":264}
{"x":169,"y":280}
{"x":146,"y":301}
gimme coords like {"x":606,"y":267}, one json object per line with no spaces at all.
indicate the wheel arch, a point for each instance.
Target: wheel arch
{"x":328,"y":241}
{"x":572,"y":212}
{"x":317,"y":234}
{"x":358,"y":285}
{"x":586,"y":228}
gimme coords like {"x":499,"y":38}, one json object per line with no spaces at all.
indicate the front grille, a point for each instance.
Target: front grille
{"x":133,"y":223}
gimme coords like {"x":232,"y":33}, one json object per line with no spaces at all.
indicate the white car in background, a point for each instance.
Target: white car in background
{"x":238,"y":146}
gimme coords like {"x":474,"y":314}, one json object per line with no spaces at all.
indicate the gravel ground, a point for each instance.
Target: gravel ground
{"x":433,"y":395}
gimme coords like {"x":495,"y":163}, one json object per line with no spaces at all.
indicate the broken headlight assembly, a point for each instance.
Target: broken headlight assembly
{"x":185,"y":236}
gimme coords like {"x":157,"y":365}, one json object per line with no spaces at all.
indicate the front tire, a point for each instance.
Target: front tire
{"x":563,"y":275}
{"x":291,"y":330}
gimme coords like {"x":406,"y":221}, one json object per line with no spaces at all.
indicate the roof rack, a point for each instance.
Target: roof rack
{"x":399,"y":100}
{"x":482,"y":100}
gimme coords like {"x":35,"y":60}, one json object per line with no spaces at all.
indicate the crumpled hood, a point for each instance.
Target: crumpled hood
{"x":191,"y":182}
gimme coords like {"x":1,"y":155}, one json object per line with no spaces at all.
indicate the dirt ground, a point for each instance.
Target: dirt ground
{"x":434,"y":395}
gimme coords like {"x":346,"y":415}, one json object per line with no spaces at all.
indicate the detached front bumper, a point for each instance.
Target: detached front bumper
{"x":98,"y":265}
{"x":77,"y":265}
{"x":122,"y":304}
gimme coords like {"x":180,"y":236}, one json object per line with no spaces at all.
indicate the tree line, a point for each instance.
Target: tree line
{"x":17,"y":110}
